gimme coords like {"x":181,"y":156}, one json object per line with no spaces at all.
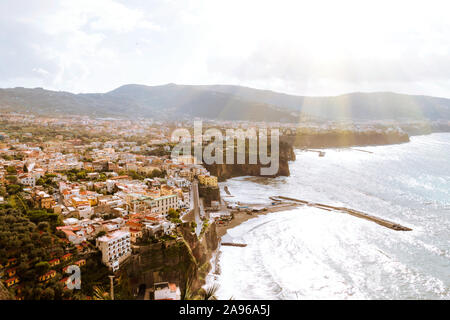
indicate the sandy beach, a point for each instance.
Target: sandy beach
{"x":242,"y":216}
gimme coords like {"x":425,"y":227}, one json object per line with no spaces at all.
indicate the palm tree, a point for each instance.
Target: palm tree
{"x":210,"y":293}
{"x":100,"y":293}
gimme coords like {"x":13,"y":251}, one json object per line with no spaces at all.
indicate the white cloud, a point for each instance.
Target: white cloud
{"x":304,"y":47}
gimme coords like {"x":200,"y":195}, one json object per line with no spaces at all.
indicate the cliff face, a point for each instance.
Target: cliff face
{"x":178,"y":261}
{"x":226,"y":171}
{"x":421,"y":128}
{"x":202,"y":250}
{"x":346,"y":139}
{"x":209,"y":194}
{"x":331,"y":139}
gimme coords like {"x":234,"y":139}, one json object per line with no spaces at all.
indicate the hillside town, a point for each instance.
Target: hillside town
{"x":107,"y":197}
{"x":94,"y":194}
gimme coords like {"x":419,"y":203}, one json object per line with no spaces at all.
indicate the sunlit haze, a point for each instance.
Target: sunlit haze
{"x":298,"y":47}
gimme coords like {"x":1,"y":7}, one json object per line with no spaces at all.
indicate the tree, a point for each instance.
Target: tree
{"x":58,"y":251}
{"x":173,"y":214}
{"x":156,"y":174}
{"x":13,"y":188}
{"x":100,"y":234}
{"x":11,"y":179}
{"x":46,"y":239}
{"x":2,"y":191}
{"x":43,"y":226}
{"x":100,"y":293}
{"x":210,"y":293}
{"x":81,"y":175}
{"x":42,"y":267}
{"x":11,"y":170}
{"x":36,"y":293}
{"x":59,"y":291}
{"x":48,"y":294}
{"x":60,"y":234}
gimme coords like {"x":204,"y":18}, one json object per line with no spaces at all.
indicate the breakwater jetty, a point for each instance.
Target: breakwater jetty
{"x":356,"y":213}
{"x":231,"y":244}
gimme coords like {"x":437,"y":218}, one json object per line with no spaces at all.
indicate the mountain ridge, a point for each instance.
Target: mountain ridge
{"x":224,"y":102}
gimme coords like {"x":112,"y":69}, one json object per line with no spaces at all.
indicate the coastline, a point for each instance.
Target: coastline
{"x":239,"y":217}
{"x":227,"y":261}
{"x":242,"y":216}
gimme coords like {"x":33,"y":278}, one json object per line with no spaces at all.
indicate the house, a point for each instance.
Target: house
{"x":49,"y":275}
{"x":47,"y":202}
{"x":186,"y":159}
{"x":73,"y":237}
{"x":12,"y":281}
{"x":80,"y":263}
{"x":153,"y":229}
{"x":54,"y":262}
{"x":11,"y":272}
{"x":10,"y":263}
{"x":43,"y":200}
{"x":166,"y":291}
{"x":135,"y":234}
{"x":27,"y":180}
{"x":66,"y":257}
{"x":100,"y":165}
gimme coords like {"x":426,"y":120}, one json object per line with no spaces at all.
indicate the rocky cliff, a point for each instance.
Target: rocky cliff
{"x":209,"y":194}
{"x":342,"y":139}
{"x":181,"y":261}
{"x":226,"y":171}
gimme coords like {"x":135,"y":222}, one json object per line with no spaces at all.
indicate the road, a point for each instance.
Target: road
{"x":197,"y":208}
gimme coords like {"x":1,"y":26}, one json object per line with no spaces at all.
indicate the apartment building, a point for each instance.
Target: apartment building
{"x":115,"y":248}
{"x":27,"y":180}
{"x":210,"y":181}
{"x":161,"y":205}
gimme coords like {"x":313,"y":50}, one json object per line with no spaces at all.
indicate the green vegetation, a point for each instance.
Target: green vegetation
{"x":47,"y":181}
{"x":204,"y":227}
{"x":141,"y":176}
{"x":174,"y":215}
{"x":32,"y":247}
{"x":76,"y":175}
{"x":11,"y":170}
{"x":30,"y":237}
{"x":193,"y":226}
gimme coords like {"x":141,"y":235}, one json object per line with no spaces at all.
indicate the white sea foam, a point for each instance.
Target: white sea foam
{"x":316,"y":254}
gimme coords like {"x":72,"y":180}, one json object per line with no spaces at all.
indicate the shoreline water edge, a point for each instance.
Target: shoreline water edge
{"x":245,"y":211}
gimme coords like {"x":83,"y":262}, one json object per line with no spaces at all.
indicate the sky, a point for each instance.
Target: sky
{"x":299,"y":47}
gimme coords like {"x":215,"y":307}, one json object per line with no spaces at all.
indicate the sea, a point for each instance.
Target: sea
{"x":310,"y":253}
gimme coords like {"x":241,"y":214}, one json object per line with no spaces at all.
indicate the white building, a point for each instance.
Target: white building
{"x":115,"y":248}
{"x":28,"y":180}
{"x":85,"y":211}
{"x":162,"y":205}
{"x":181,"y":182}
{"x":167,"y":291}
